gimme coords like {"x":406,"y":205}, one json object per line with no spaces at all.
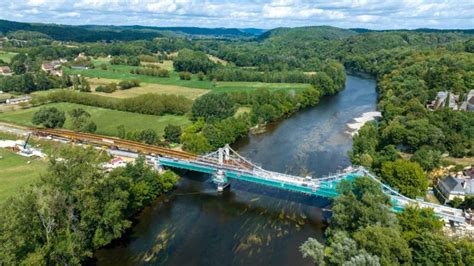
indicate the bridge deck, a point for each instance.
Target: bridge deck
{"x":241,"y":169}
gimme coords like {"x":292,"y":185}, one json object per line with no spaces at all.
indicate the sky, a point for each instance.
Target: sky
{"x":266,"y":14}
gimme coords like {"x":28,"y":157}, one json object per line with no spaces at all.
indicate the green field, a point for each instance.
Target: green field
{"x":122,"y":72}
{"x":6,"y":56}
{"x":249,"y":86}
{"x":17,"y":172}
{"x":107,"y":120}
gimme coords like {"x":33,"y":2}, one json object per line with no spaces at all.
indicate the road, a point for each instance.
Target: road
{"x":13,"y":129}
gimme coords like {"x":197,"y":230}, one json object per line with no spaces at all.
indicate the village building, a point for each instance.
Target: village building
{"x":80,"y":56}
{"x":455,"y":187}
{"x":53,"y":67}
{"x":468,"y":104}
{"x":18,"y":100}
{"x":5,"y":71}
{"x":445,"y":99}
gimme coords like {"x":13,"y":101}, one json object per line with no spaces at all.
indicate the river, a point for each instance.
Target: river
{"x":250,"y":224}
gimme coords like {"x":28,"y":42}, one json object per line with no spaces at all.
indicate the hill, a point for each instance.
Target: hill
{"x":93,"y":33}
{"x":77,"y":33}
{"x":316,"y":33}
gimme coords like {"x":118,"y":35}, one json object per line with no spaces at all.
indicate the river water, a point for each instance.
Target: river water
{"x":250,"y":224}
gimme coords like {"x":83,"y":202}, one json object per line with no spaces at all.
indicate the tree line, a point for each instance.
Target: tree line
{"x":153,"y":104}
{"x":76,"y":208}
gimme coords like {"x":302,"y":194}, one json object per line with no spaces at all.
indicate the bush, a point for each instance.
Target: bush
{"x":184,"y":75}
{"x":172,"y":133}
{"x":109,"y":88}
{"x":128,"y":84}
{"x":201,"y":76}
{"x":49,"y":117}
{"x":154,"y":72}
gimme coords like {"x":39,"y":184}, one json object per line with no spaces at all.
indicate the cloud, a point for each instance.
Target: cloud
{"x":375,"y":14}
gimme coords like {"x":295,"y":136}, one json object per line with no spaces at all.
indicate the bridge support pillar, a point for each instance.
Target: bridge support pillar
{"x":221,"y":180}
{"x":157,"y":165}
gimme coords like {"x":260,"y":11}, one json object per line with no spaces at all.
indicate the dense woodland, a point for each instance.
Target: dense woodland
{"x":364,"y":231}
{"x":407,"y":143}
{"x":76,"y":208}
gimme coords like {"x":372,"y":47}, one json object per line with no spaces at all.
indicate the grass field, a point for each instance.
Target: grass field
{"x":147,"y":88}
{"x":250,"y":86}
{"x":17,"y":172}
{"x":5,"y":96}
{"x":107,"y":120}
{"x":6,"y":56}
{"x":122,"y":72}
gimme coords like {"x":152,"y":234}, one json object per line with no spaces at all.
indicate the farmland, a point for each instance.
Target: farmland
{"x":147,"y":88}
{"x":107,"y":120}
{"x":17,"y":172}
{"x":122,"y":72}
{"x":6,"y":56}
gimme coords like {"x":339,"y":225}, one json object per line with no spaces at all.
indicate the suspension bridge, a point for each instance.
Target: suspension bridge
{"x":226,"y":164}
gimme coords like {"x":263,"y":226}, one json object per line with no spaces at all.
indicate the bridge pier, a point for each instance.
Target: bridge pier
{"x":155,"y":163}
{"x":221,"y":180}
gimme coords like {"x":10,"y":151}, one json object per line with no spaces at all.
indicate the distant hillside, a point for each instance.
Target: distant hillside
{"x":76,"y":33}
{"x":92,"y":33}
{"x":254,"y":31}
{"x":426,"y":30}
{"x":316,"y":33}
{"x":372,"y":41}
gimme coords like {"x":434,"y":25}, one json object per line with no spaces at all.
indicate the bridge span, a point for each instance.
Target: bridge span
{"x":226,"y":164}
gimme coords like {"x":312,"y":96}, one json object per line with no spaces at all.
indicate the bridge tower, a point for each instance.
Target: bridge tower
{"x":220,"y":178}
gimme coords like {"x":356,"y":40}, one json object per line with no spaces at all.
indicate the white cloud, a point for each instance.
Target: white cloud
{"x":376,"y":14}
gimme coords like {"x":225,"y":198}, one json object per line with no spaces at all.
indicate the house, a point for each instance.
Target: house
{"x":18,"y":100}
{"x":468,"y":104}
{"x":452,"y":187}
{"x":80,"y":56}
{"x":5,"y":71}
{"x":115,"y":163}
{"x":444,"y":99}
{"x":53,"y":67}
{"x":80,"y":67}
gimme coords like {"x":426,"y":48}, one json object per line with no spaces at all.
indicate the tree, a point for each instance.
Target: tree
{"x":430,"y":249}
{"x":192,"y":61}
{"x":43,"y":82}
{"x":384,"y":242}
{"x":49,"y":117}
{"x":213,"y":106}
{"x":195,"y":143}
{"x":407,"y":176}
{"x":76,"y":208}
{"x":201,"y":75}
{"x":361,"y":203}
{"x":148,"y":136}
{"x":427,"y":158}
{"x":18,"y":67}
{"x":414,"y":221}
{"x":172,"y":133}
{"x":341,"y":250}
{"x":184,"y":75}
{"x":133,"y":61}
{"x":79,"y":118}
{"x":121,"y":133}
{"x":264,"y":113}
